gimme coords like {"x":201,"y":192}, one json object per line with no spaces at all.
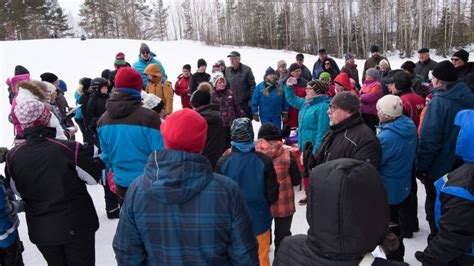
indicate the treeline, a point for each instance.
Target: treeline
{"x":300,"y":25}
{"x":32,"y":19}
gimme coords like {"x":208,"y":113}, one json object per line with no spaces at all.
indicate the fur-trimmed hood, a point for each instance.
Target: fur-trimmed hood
{"x":31,"y":90}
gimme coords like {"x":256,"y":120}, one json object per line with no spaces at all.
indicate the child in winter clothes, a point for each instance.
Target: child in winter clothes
{"x":159,"y":87}
{"x":181,"y":86}
{"x":199,"y":76}
{"x":229,"y":110}
{"x":342,"y":82}
{"x":299,"y":89}
{"x":254,"y":173}
{"x":370,"y":93}
{"x":288,"y":175}
{"x":268,"y":100}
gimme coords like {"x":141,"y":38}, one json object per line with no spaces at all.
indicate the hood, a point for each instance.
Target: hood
{"x":320,"y":99}
{"x":464,"y":144}
{"x":211,"y":113}
{"x":174,"y":177}
{"x":344,"y":80}
{"x":272,"y":148}
{"x":352,"y":198}
{"x":30,"y":91}
{"x":121,"y":104}
{"x":154,"y":70}
{"x":17,"y":79}
{"x":402,"y":126}
{"x":459,"y":92}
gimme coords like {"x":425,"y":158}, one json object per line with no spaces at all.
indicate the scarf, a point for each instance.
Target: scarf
{"x":243,"y":146}
{"x":269,"y":85}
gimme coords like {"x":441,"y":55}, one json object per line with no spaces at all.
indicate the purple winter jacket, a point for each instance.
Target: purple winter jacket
{"x":370,"y":93}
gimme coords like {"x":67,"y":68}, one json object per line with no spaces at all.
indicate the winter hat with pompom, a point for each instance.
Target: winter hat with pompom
{"x":202,"y":96}
{"x":32,"y":113}
{"x":176,"y":129}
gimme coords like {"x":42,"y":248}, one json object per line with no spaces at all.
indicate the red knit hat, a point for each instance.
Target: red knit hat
{"x":120,"y":60}
{"x":129,"y":78}
{"x":185,"y":130}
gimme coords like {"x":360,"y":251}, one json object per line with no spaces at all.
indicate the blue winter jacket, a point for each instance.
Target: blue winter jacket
{"x":254,"y":172}
{"x":271,"y":106}
{"x":398,"y":141}
{"x":128,"y":133}
{"x":78,"y":114}
{"x":180,"y":213}
{"x":313,"y":119}
{"x":8,"y":218}
{"x":438,"y":132}
{"x":140,"y":66}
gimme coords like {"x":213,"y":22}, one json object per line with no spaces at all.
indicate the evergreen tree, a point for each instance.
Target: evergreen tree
{"x":160,"y":19}
{"x":188,"y":20}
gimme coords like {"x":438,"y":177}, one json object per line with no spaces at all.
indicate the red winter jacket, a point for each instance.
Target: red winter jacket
{"x":181,"y":89}
{"x":300,"y":91}
{"x":413,"y":105}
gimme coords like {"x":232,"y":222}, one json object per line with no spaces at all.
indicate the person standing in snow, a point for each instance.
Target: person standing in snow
{"x":436,"y":149}
{"x":179,"y":182}
{"x":128,"y":132}
{"x":201,"y":103}
{"x":199,"y":76}
{"x":288,"y":175}
{"x":241,"y":81}
{"x":160,"y":87}
{"x":145,"y":58}
{"x":181,"y":86}
{"x":255,"y":174}
{"x":50,"y":177}
{"x":373,"y":60}
{"x":223,"y":97}
{"x":305,"y":73}
{"x":84,"y":84}
{"x":268,"y":100}
{"x":319,"y":64}
{"x":370,"y":93}
{"x":464,"y":68}
{"x":398,"y":139}
{"x":299,"y":90}
{"x":350,"y":68}
{"x":21,"y":73}
{"x":454,"y":207}
{"x":281,"y":71}
{"x":425,"y":64}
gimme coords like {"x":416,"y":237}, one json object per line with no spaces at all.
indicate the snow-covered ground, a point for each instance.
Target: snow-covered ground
{"x":72,"y":59}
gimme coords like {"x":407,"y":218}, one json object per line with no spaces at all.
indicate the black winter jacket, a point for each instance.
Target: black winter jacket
{"x":350,"y":138}
{"x":241,"y":81}
{"x":456,"y":223}
{"x":196,"y":79}
{"x":466,"y":74}
{"x":215,"y":133}
{"x":50,"y":176}
{"x":95,"y":109}
{"x":343,"y":226}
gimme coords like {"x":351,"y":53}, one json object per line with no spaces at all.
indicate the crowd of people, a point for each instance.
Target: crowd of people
{"x":194,"y":186}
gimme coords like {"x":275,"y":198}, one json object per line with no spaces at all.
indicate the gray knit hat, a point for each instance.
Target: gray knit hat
{"x":373,"y":72}
{"x":144,"y":48}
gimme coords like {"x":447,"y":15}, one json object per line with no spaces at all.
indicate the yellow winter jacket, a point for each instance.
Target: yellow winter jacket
{"x":164,"y":90}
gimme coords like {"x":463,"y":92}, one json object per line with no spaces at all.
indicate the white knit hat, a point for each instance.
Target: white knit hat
{"x":215,"y":77}
{"x":390,"y":106}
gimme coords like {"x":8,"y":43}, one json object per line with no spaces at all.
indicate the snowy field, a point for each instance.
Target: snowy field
{"x":72,"y":59}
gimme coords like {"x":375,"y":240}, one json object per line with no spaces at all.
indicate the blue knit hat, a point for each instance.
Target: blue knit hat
{"x":62,"y":85}
{"x":241,"y":130}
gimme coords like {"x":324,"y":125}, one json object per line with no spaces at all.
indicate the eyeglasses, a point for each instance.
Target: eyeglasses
{"x":333,"y":108}
{"x":454,"y":59}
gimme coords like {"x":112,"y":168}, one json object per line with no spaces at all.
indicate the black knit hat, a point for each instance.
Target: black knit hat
{"x":105,"y":73}
{"x":322,"y":50}
{"x":299,"y":56}
{"x":202,"y":96}
{"x":98,"y":83}
{"x":201,"y":62}
{"x":409,"y":66}
{"x":445,"y":71}
{"x":374,"y":48}
{"x":346,"y":101}
{"x":49,"y":77}
{"x":21,"y":70}
{"x":269,"y":131}
{"x":318,"y":86}
{"x":294,"y":67}
{"x":462,"y":54}
{"x":401,"y":80}
{"x":85,"y":82}
{"x":188,"y":67}
{"x":269,"y":71}
{"x":241,"y":130}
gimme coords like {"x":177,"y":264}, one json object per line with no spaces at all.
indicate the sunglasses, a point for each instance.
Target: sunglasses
{"x":145,"y":53}
{"x":454,"y":59}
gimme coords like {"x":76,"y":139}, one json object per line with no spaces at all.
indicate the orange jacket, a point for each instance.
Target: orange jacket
{"x":164,"y":90}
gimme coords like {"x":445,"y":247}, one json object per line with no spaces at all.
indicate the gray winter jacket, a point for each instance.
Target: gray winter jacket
{"x":241,"y":81}
{"x":423,"y":69}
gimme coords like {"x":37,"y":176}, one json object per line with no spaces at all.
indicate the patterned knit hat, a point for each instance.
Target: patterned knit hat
{"x":318,"y":86}
{"x":32,"y":113}
{"x":241,"y":130}
{"x":215,"y":77}
{"x":120,"y":60}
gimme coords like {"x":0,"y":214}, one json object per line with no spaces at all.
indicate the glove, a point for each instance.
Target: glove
{"x":421,"y":175}
{"x":284,"y":116}
{"x":419,"y":255}
{"x":308,"y":159}
{"x":256,"y":117}
{"x":3,"y":153}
